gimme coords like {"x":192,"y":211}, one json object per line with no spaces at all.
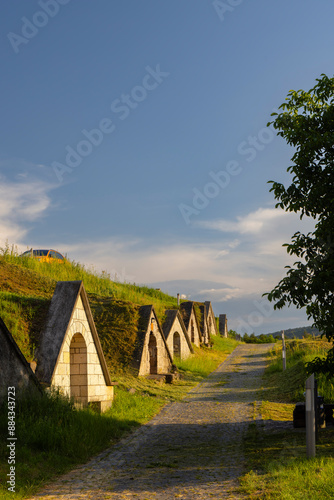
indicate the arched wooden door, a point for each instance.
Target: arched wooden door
{"x":78,"y":369}
{"x":153,"y":353}
{"x":177,"y":345}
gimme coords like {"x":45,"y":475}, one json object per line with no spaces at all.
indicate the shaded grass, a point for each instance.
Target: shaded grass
{"x":53,"y":436}
{"x":279,"y":469}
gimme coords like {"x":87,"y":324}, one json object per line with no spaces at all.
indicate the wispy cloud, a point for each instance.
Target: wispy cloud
{"x":221,"y":294}
{"x":23,"y":200}
{"x":252,"y":223}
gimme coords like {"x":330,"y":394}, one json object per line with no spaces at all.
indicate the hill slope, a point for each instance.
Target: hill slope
{"x":26,"y":289}
{"x":297,"y":333}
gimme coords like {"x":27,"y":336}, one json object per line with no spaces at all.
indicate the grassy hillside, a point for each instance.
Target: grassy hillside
{"x":297,"y":333}
{"x":26,"y":289}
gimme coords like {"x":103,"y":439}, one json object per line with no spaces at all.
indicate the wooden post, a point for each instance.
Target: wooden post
{"x":283,"y":351}
{"x":310,"y":417}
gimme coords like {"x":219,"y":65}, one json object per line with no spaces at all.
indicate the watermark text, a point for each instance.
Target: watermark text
{"x":11,"y":445}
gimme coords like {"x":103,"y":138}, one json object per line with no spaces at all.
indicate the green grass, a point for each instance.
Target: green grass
{"x":277,"y":465}
{"x":24,"y":317}
{"x":52,"y":436}
{"x":279,"y":469}
{"x":207,"y":359}
{"x":289,"y":386}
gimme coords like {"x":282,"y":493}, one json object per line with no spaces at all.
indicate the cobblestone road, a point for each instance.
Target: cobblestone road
{"x":191,"y":450}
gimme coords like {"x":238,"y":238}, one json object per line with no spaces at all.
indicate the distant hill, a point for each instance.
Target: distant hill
{"x":298,"y":333}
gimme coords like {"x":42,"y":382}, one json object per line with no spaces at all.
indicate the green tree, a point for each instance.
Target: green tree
{"x":252,"y":338}
{"x":232,"y":334}
{"x":245,"y":338}
{"x":306,"y":122}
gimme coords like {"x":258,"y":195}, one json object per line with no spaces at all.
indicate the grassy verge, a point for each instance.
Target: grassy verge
{"x":277,"y":463}
{"x":289,"y":386}
{"x":281,"y":472}
{"x":53,"y":436}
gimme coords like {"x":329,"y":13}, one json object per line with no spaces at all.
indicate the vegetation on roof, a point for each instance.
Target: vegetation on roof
{"x":24,"y":317}
{"x":117,"y":325}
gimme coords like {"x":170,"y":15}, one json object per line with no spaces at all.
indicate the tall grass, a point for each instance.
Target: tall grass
{"x":290,"y":384}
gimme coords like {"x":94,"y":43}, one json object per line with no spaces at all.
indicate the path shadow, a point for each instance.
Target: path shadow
{"x":181,"y":456}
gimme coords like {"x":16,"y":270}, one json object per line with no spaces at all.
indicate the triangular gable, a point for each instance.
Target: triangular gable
{"x":61,"y":313}
{"x":210,"y":314}
{"x":15,"y":371}
{"x":140,"y":359}
{"x":186,"y":310}
{"x":203,"y":322}
{"x":190,"y":321}
{"x":173,"y":317}
{"x":169,"y":321}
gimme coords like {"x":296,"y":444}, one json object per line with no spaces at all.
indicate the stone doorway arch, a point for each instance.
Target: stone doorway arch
{"x":153,"y":353}
{"x":78,"y":369}
{"x":177,"y":345}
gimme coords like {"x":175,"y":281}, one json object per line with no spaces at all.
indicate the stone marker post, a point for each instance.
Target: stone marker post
{"x":283,"y":351}
{"x":310,"y":417}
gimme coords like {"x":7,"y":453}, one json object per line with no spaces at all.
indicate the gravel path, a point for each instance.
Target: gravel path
{"x":191,"y":450}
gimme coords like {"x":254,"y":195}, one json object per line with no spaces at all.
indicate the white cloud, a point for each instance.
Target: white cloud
{"x":221,"y":294}
{"x":252,"y":223}
{"x":21,"y":203}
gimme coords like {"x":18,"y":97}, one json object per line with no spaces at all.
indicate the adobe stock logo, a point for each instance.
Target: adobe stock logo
{"x":249,"y":148}
{"x":263,"y":310}
{"x":30,"y":28}
{"x":122,"y":109}
{"x":211,"y":190}
{"x":222,"y":7}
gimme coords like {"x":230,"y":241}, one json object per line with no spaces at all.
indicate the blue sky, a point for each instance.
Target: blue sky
{"x":134,"y":139}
